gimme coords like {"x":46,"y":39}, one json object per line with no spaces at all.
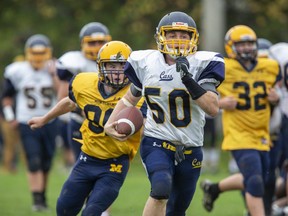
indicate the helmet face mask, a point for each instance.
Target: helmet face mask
{"x":113,"y":74}
{"x":175,"y":47}
{"x":111,"y":60}
{"x":93,"y":36}
{"x":241,"y":43}
{"x":38,"y":51}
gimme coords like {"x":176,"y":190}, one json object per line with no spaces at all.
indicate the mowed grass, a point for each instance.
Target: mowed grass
{"x":15,"y":198}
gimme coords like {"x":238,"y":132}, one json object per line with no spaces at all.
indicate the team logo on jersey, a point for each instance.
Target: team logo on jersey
{"x":84,"y":158}
{"x":196,"y":163}
{"x":157,"y":145}
{"x":165,"y":77}
{"x":116,"y":168}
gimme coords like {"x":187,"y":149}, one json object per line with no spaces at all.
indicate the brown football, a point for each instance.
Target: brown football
{"x":130,"y":120}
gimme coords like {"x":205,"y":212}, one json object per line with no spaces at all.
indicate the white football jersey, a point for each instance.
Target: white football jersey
{"x":75,"y":62}
{"x":279,"y":52}
{"x":35,"y":94}
{"x":172,"y":114}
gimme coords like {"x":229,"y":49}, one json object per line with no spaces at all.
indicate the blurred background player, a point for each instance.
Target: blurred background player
{"x":246,"y":94}
{"x":33,"y":83}
{"x":275,"y":125}
{"x":92,"y":37}
{"x":279,"y":52}
{"x":211,"y":152}
{"x":102,"y":166}
{"x":11,"y":149}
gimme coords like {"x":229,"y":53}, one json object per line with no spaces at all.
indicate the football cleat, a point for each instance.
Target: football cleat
{"x":209,"y":196}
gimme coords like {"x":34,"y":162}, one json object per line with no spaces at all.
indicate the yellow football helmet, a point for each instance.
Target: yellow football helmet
{"x":237,"y":34}
{"x":181,"y":22}
{"x":38,"y":50}
{"x":113,"y":51}
{"x":93,"y":36}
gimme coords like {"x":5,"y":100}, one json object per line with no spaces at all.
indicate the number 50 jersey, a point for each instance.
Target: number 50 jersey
{"x":173,"y":115}
{"x":247,"y":127}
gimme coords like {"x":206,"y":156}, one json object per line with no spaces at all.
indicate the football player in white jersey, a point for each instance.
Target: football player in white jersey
{"x":33,"y":85}
{"x":279,"y":52}
{"x":92,"y":36}
{"x":179,"y":85}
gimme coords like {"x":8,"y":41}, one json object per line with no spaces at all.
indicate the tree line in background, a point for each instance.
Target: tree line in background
{"x":131,"y":21}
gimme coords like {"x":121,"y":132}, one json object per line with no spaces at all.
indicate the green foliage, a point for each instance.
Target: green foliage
{"x":132,"y":21}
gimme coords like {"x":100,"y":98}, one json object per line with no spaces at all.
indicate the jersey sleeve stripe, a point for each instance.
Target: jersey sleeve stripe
{"x":130,"y":73}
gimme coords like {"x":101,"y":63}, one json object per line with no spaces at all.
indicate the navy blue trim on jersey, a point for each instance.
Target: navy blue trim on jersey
{"x":130,"y":73}
{"x":70,"y":93}
{"x":64,"y":74}
{"x":215,"y":70}
{"x":251,"y":68}
{"x":279,"y":76}
{"x":8,"y":89}
{"x":286,"y":75}
{"x":143,"y":109}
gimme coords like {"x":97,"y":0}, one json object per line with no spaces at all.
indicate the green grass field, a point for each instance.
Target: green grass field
{"x":15,"y":199}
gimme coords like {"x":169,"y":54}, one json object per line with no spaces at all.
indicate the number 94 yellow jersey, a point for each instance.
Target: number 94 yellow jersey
{"x":247,"y":127}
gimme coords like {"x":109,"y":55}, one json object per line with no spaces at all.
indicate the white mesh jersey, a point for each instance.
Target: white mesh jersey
{"x":70,"y":64}
{"x":75,"y":62}
{"x":35,"y":95}
{"x":173,"y":115}
{"x":279,"y":53}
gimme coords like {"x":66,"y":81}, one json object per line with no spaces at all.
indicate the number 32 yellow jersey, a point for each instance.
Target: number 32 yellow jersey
{"x":247,"y":127}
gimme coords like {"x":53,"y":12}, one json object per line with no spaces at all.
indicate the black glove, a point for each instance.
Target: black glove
{"x":179,"y":154}
{"x":182,"y":66}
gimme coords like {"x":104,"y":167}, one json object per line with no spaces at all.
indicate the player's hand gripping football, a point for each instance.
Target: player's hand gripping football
{"x":182,"y":66}
{"x":111,"y":130}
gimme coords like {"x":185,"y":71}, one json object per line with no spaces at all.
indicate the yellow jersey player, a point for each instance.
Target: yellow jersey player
{"x":103,"y":163}
{"x":246,"y":95}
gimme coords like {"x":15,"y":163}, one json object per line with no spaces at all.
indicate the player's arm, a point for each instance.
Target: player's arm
{"x":228,"y":103}
{"x":62,"y":89}
{"x":131,"y":98}
{"x":63,"y":106}
{"x":7,"y":100}
{"x":206,"y":99}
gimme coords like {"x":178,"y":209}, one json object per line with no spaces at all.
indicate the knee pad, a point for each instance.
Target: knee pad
{"x":255,"y":186}
{"x":161,"y":183}
{"x":34,"y":164}
{"x":47,"y":165}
